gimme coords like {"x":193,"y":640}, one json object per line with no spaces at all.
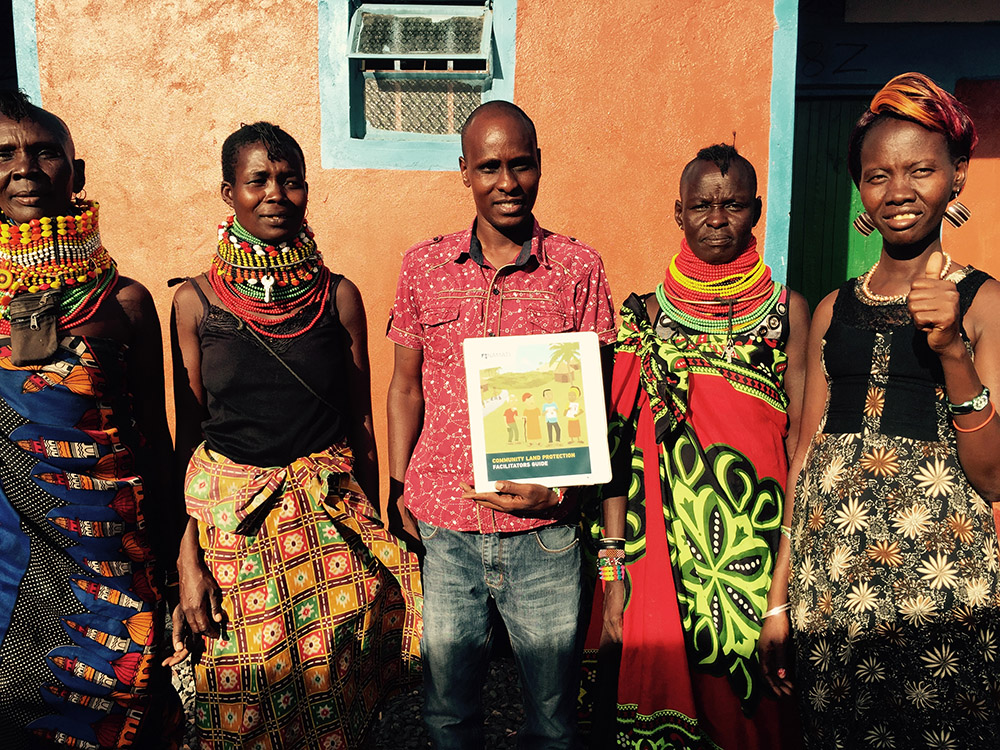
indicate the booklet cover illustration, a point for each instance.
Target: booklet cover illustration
{"x":536,"y":410}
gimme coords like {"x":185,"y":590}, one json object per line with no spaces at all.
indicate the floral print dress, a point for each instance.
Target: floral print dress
{"x":894,"y":585}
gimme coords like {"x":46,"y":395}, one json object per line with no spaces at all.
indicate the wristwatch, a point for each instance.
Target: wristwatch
{"x":978,"y":403}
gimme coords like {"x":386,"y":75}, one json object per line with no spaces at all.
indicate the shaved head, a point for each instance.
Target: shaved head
{"x":498,"y":106}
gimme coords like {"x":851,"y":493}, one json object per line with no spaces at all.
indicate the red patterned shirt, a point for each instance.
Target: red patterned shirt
{"x":448,"y":292}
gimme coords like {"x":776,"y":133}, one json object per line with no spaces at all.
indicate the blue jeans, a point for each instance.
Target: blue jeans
{"x":534,"y":578}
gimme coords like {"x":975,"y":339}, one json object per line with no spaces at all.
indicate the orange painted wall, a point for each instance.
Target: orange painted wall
{"x":622,"y":95}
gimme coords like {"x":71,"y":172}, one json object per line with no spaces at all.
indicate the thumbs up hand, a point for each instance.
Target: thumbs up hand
{"x":934,"y":308}
{"x":935,"y":264}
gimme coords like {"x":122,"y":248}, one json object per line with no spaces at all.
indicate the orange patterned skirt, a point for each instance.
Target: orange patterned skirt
{"x":322,"y":604}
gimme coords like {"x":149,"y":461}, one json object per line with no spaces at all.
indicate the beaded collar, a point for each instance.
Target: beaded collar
{"x":266,"y":284}
{"x":62,"y":253}
{"x":723,"y":298}
{"x":254,"y":268}
{"x":726,"y":298}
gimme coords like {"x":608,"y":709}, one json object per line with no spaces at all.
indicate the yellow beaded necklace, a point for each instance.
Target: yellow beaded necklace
{"x":51,"y":253}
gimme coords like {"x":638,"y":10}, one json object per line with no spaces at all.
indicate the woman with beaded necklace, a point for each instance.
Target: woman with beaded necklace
{"x":84,"y":453}
{"x":891,"y":578}
{"x":310,"y":609}
{"x":705,"y":398}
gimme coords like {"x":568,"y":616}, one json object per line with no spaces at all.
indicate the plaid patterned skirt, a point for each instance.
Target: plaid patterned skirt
{"x":323,"y":604}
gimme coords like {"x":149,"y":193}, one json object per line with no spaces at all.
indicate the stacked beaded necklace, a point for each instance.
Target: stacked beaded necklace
{"x":264,"y":284}
{"x":728,"y":298}
{"x":63,"y":253}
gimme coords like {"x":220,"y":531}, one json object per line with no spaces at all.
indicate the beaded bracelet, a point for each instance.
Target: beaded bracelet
{"x":786,"y":531}
{"x":776,"y":610}
{"x":610,"y":570}
{"x":611,"y":558}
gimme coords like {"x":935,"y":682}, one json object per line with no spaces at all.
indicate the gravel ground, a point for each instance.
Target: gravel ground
{"x":401,"y":727}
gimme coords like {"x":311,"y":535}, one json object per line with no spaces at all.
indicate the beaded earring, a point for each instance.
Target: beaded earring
{"x":957,"y":214}
{"x":864,"y":224}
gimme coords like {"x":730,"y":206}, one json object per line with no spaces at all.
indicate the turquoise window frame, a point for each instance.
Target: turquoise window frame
{"x":784,"y":63}
{"x":29,"y":79}
{"x":402,"y":151}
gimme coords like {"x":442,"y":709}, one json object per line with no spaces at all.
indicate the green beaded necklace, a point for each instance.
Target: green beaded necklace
{"x":727,"y":325}
{"x":257,"y":291}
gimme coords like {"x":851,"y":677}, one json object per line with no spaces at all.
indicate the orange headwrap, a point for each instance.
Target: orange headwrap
{"x":915,"y":97}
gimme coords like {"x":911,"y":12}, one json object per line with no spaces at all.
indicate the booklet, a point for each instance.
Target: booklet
{"x":536,"y":410}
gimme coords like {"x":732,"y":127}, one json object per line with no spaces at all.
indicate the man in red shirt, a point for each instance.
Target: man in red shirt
{"x":510,"y":419}
{"x":504,"y":276}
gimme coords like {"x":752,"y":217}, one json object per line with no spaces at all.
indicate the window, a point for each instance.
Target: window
{"x":398,"y":80}
{"x":424,"y":67}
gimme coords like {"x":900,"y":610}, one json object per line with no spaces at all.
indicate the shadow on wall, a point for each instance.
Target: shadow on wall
{"x":983,"y":100}
{"x":977,"y":242}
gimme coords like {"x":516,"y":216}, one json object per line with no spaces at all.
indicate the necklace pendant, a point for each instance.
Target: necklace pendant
{"x":267,"y":282}
{"x":730,"y":351}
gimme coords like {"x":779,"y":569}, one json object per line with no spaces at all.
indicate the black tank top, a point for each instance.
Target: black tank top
{"x":912,"y":371}
{"x":258,"y":413}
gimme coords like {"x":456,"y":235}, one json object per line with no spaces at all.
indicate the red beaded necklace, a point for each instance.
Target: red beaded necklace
{"x":260,"y":314}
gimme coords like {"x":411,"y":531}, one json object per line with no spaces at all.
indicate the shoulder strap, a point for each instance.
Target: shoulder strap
{"x":201,"y":294}
{"x":845,"y":297}
{"x":968,"y":287}
{"x":335,"y":279}
{"x":651,"y":307}
{"x":637,"y":306}
{"x":197,"y":289}
{"x":781,"y":304}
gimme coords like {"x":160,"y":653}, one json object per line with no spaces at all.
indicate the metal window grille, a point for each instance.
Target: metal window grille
{"x":386,"y":34}
{"x":424,"y":67}
{"x":429,"y":106}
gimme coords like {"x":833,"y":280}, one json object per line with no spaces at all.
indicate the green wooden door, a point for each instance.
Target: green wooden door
{"x":824,"y":249}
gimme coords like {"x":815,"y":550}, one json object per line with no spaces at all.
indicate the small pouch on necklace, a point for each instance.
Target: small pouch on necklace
{"x":33,"y":320}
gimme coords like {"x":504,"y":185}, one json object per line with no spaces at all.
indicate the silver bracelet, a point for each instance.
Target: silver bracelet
{"x":777,"y":610}
{"x":978,"y":403}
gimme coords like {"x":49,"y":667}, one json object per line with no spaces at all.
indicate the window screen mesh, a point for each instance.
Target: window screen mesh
{"x":420,"y":106}
{"x":400,"y":35}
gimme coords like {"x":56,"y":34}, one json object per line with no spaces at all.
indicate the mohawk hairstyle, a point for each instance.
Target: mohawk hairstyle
{"x":916,"y":98}
{"x":279,"y":144}
{"x":724,"y":156}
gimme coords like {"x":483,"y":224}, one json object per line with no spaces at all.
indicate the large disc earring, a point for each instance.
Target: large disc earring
{"x":957,"y":214}
{"x":864,"y":224}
